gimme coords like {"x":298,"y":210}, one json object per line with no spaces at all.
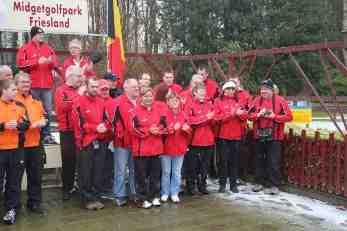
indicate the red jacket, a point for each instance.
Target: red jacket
{"x":83,"y":61}
{"x":177,"y":141}
{"x":231,"y":126}
{"x":63,"y":99}
{"x":282,"y":115}
{"x":120,"y":112}
{"x":145,"y":143}
{"x":211,"y":88}
{"x":88,"y":112}
{"x":202,"y":134}
{"x":176,"y":88}
{"x":186,"y":97}
{"x":27,"y":60}
{"x":244,"y":98}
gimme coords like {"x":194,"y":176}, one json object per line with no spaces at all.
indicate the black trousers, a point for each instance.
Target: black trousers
{"x":147,"y":177}
{"x":229,"y":162}
{"x":12,"y":163}
{"x":268,"y":163}
{"x":68,"y":158}
{"x":90,"y":171}
{"x":197,"y":165}
{"x":108,"y":173}
{"x":33,"y":167}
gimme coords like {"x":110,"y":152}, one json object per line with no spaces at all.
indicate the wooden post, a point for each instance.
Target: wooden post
{"x":338,"y":168}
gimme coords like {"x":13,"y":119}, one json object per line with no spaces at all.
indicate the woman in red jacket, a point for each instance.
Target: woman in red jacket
{"x":230,"y":113}
{"x":175,"y":147}
{"x":149,"y":125}
{"x":200,"y":118}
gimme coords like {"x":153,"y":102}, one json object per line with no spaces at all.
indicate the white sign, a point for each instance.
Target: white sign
{"x":53,"y":16}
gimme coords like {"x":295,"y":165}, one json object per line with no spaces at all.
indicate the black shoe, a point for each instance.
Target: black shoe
{"x":221,"y":188}
{"x":10,"y":217}
{"x":36,"y":209}
{"x":203,"y":190}
{"x":234,"y":189}
{"x":66,"y":196}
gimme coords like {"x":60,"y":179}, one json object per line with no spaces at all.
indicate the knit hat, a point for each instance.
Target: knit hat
{"x":268,"y":83}
{"x":35,"y":30}
{"x":229,"y":84}
{"x":110,"y":76}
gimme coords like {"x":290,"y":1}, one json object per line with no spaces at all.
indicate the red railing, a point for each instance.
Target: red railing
{"x":315,"y":163}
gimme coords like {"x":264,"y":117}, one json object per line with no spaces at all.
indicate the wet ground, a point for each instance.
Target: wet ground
{"x":214,"y":212}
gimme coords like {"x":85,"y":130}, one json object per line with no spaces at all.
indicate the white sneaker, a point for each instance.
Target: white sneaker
{"x":164,"y":198}
{"x":146,"y":204}
{"x":156,"y":202}
{"x":175,"y":199}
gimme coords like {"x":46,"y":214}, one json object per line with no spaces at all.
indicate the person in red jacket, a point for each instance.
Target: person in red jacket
{"x":39,"y":60}
{"x":64,"y":97}
{"x":75,"y":58}
{"x":108,"y":172}
{"x":200,"y":118}
{"x":210,"y":84}
{"x":186,"y":95}
{"x":175,"y":147}
{"x":120,"y":112}
{"x":230,"y":114}
{"x":145,"y":81}
{"x":90,"y":127}
{"x":269,"y":113}
{"x":169,"y":80}
{"x":149,"y":125}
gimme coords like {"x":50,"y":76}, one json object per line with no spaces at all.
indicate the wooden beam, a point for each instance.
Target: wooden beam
{"x":219,"y":69}
{"x":336,"y":61}
{"x":315,"y":92}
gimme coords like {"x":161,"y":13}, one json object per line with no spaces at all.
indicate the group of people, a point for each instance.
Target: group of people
{"x":134,"y":144}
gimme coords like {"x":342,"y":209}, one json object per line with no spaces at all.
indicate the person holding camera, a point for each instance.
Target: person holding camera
{"x":13,"y":124}
{"x":231,"y":115}
{"x":269,"y":113}
{"x":90,"y":128}
{"x":33,"y":149}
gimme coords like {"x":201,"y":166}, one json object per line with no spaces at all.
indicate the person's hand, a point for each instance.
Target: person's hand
{"x":49,"y":59}
{"x":43,"y":60}
{"x":88,"y":67}
{"x":154,"y":130}
{"x":239,"y":112}
{"x":210,"y":115}
{"x":39,"y":124}
{"x":177,"y":126}
{"x":270,"y":115}
{"x":11,"y":125}
{"x":101,"y":128}
{"x":185,"y":127}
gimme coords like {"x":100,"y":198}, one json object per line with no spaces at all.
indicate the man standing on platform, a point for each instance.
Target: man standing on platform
{"x":39,"y":60}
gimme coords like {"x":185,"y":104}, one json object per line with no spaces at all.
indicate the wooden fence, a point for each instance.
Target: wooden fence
{"x":315,"y":163}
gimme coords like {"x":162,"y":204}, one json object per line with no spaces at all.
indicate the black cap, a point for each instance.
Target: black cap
{"x":268,"y":83}
{"x":35,"y":30}
{"x":110,"y":76}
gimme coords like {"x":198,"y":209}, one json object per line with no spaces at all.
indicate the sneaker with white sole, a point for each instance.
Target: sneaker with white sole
{"x":10,"y":217}
{"x":146,"y":204}
{"x":175,"y":199}
{"x":164,"y":198}
{"x":156,"y":202}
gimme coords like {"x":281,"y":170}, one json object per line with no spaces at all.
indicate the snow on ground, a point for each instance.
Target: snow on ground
{"x":289,"y":204}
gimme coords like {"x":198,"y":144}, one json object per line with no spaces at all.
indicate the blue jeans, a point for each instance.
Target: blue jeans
{"x":171,"y":174}
{"x":122,"y":162}
{"x":46,"y":97}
